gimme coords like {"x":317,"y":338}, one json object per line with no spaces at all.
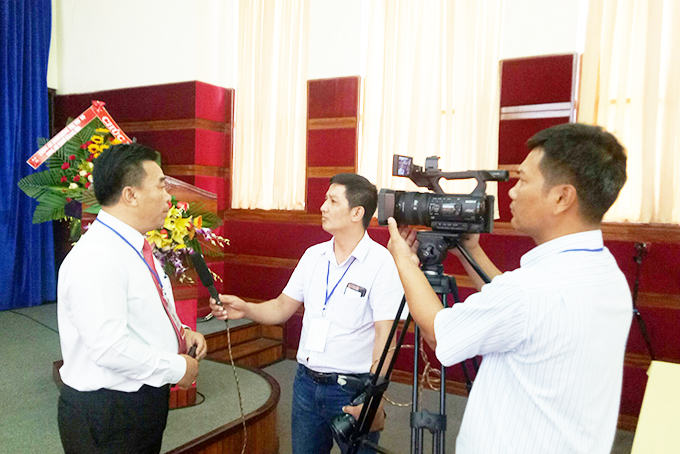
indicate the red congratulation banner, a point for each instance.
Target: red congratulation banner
{"x":96,"y":110}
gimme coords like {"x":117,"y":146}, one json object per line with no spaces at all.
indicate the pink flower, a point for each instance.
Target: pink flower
{"x":64,"y":179}
{"x":68,"y":199}
{"x":87,"y":184}
{"x":65,"y":166}
{"x":83,"y":146}
{"x":72,"y":157}
{"x":76,"y":178}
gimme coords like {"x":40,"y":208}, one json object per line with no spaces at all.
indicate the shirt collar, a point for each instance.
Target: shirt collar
{"x":359,"y":253}
{"x":131,"y":234}
{"x":590,"y":240}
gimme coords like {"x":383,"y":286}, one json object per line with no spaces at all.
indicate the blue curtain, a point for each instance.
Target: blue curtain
{"x":27,"y":254}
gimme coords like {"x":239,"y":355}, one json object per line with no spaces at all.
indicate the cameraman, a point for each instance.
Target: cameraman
{"x":351,"y":291}
{"x":553,"y":332}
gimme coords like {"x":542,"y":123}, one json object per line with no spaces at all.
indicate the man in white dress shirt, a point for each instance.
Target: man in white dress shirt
{"x":351,"y":292}
{"x":121,"y":340}
{"x":553,"y":332}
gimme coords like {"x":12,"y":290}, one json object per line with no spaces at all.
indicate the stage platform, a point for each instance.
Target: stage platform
{"x":29,"y":345}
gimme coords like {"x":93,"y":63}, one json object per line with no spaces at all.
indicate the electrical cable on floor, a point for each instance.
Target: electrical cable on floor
{"x":238,"y":389}
{"x":426,"y":377}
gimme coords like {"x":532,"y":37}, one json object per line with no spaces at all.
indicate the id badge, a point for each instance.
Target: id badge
{"x":318,"y":332}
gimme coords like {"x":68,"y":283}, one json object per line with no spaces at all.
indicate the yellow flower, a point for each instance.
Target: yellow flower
{"x":181,"y":230}
{"x":159,"y":239}
{"x":102,"y":130}
{"x":169,"y":222}
{"x":97,"y":139}
{"x":196,"y":224}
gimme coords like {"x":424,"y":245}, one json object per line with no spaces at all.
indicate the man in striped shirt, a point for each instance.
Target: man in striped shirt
{"x":552,"y":332}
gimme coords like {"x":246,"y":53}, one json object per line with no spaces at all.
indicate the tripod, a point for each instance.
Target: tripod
{"x":432,"y":251}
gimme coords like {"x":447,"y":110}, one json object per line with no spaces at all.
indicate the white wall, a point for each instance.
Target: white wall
{"x":108,"y":44}
{"x":334,"y":38}
{"x":542,"y":27}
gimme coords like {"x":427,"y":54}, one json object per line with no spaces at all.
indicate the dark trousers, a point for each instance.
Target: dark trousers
{"x":106,"y":421}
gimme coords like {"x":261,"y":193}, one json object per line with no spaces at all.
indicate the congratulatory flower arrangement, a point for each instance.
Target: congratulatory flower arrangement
{"x":64,"y":191}
{"x":69,"y":178}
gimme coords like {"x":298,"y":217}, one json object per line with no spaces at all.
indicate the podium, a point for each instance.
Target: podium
{"x":186,"y":296}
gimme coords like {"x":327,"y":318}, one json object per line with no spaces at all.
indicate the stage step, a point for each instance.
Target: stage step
{"x":251,"y":344}
{"x":256,"y":353}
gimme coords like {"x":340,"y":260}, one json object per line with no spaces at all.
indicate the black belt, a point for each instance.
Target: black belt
{"x":352,"y":381}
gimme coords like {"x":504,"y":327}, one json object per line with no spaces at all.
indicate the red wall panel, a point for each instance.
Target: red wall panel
{"x":333,"y":98}
{"x":156,"y":102}
{"x":316,"y":193}
{"x":537,"y":80}
{"x":212,"y":148}
{"x":273,"y":240}
{"x":331,"y":147}
{"x":252,"y":281}
{"x":513,"y":135}
{"x":213,"y":103}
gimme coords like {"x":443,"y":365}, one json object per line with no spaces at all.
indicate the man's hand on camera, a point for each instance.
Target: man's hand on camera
{"x":378,"y":421}
{"x":403,"y":243}
{"x":232,"y":307}
{"x":470,"y":241}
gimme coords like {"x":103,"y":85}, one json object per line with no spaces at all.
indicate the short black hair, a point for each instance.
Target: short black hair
{"x":359,"y":192}
{"x":117,"y":167}
{"x":587,"y":157}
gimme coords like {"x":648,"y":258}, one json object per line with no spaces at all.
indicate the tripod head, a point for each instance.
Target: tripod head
{"x":433,"y":248}
{"x":434,"y":245}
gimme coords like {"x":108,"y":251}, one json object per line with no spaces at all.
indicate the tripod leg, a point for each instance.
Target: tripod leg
{"x":416,"y":434}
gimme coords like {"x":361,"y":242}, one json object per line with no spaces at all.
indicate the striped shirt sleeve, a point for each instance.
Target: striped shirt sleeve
{"x":492,"y":320}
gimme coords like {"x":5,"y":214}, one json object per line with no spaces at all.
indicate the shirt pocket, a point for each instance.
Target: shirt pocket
{"x":349,"y":311}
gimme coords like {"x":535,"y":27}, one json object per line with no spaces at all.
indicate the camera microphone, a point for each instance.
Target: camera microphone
{"x":204,"y":275}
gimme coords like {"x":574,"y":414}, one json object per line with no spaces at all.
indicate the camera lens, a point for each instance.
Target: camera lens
{"x":449,"y":212}
{"x":343,"y":427}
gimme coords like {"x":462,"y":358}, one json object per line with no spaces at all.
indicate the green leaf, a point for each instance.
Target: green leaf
{"x":93,"y":209}
{"x":210,"y":220}
{"x":88,"y":197}
{"x":72,"y":147}
{"x":48,"y":212}
{"x":36,"y":184}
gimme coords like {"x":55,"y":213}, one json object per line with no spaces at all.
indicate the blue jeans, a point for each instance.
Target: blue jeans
{"x":314,"y":406}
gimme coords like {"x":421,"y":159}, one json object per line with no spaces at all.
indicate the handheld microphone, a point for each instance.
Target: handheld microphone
{"x":204,"y":275}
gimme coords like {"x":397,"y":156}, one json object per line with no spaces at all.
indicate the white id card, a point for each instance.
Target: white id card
{"x":318,"y":331}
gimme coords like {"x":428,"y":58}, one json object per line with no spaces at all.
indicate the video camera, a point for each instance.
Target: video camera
{"x":450,"y":213}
